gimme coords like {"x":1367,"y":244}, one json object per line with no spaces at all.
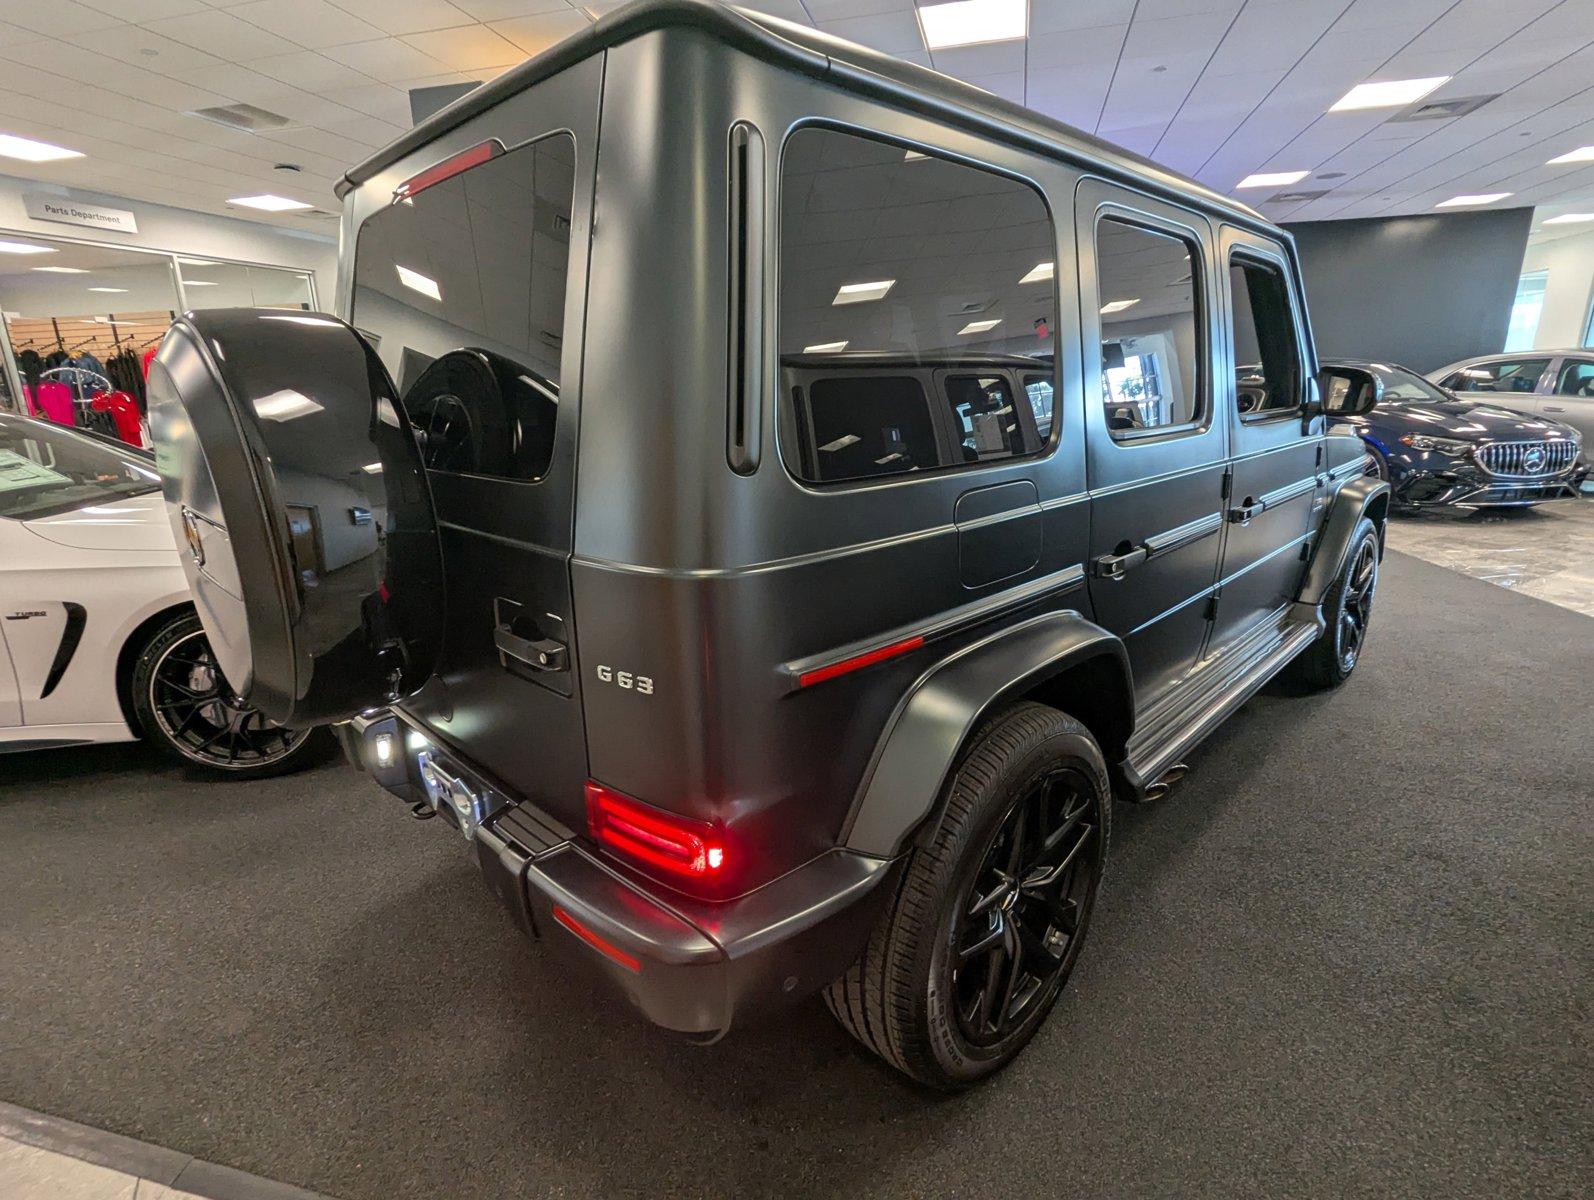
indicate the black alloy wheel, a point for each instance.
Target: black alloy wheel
{"x":992,"y":907}
{"x":184,"y":706}
{"x":1022,"y":912}
{"x":1356,"y":606}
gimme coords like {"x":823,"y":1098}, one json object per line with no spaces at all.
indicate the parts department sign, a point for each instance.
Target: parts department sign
{"x":72,"y":212}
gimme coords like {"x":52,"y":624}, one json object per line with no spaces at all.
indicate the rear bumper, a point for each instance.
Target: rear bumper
{"x":687,"y":965}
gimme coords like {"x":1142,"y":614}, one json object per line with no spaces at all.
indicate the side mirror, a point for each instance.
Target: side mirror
{"x":1349,"y":391}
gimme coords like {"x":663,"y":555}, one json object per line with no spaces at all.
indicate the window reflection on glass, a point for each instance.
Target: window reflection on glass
{"x":1266,"y":356}
{"x":1526,"y":309}
{"x":1150,"y":352}
{"x":923,"y":292}
{"x":461,"y":291}
{"x":209,"y":284}
{"x":1517,"y":375}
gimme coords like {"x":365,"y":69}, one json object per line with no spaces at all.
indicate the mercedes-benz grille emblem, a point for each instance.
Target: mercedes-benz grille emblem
{"x":1533,"y":459}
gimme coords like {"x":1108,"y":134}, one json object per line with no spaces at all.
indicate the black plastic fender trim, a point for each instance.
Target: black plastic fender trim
{"x":936,"y":716}
{"x":1348,"y":507}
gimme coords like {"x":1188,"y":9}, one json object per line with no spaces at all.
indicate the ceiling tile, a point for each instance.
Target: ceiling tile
{"x":534,"y":34}
{"x":466,"y":48}
{"x":1055,"y":16}
{"x":374,"y":100}
{"x":55,"y":16}
{"x":145,"y":49}
{"x":889,"y":33}
{"x":310,"y":23}
{"x":147,"y":10}
{"x":418,"y":16}
{"x":499,"y":10}
{"x":385,"y":59}
{"x":971,"y":62}
{"x":223,"y":35}
{"x":305,"y":69}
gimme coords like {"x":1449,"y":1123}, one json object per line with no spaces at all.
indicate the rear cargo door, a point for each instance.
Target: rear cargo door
{"x":471,"y":285}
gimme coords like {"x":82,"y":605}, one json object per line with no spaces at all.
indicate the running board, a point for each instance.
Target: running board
{"x":1178,"y":726}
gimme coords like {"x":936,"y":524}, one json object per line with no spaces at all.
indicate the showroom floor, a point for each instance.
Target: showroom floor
{"x":1547,"y":551}
{"x":1348,"y":955}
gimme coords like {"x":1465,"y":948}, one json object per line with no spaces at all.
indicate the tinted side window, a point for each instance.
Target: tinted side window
{"x":1151,"y":348}
{"x":1517,"y":375}
{"x":461,"y":289}
{"x":894,"y":260}
{"x":866,"y":425}
{"x":1576,"y":378}
{"x":1042,"y":396}
{"x":985,"y":423}
{"x":1267,"y":363}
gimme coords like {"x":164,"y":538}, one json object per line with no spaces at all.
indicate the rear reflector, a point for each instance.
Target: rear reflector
{"x":602,"y":945}
{"x":858,"y":662}
{"x":683,"y":847}
{"x":448,"y":168}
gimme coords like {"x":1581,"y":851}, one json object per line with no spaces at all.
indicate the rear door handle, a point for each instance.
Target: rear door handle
{"x":1553,"y":408}
{"x":1114,"y":566}
{"x":1242,"y":514}
{"x":544,"y":654}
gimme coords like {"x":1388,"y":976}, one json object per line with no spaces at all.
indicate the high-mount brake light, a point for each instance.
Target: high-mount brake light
{"x":448,"y":168}
{"x":683,"y":847}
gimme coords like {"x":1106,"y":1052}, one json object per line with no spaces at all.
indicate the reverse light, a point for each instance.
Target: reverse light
{"x":384,"y":749}
{"x":679,"y":845}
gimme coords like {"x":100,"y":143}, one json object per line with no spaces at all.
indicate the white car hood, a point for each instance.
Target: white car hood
{"x":136,"y":523}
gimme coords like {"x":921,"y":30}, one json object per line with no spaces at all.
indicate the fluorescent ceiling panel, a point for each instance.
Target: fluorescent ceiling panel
{"x":1582,"y":154}
{"x":1040,"y":273}
{"x":825,"y":348}
{"x":971,"y":22}
{"x":979,"y":326}
{"x":24,"y":248}
{"x":269,"y":203}
{"x":1471,"y":201}
{"x":857,"y":293}
{"x":29,"y":150}
{"x":1564,"y":219}
{"x":1392,"y":93}
{"x":417,"y":282}
{"x":1113,"y":306}
{"x":117,"y":291}
{"x":1264,"y":179}
{"x":61,"y":270}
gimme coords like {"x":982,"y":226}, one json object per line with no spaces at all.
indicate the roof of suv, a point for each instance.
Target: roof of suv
{"x":839,"y":62}
{"x":887,"y":358}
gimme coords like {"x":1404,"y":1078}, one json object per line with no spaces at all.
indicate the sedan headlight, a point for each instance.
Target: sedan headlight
{"x":1454,"y":447}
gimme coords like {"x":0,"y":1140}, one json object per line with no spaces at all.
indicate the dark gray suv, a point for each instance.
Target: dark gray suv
{"x":774,"y":529}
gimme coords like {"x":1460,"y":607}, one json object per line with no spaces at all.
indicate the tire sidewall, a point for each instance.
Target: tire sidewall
{"x":959,"y":1061}
{"x":1365,"y":531}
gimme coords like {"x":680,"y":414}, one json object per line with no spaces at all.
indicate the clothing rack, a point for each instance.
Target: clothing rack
{"x":101,"y":337}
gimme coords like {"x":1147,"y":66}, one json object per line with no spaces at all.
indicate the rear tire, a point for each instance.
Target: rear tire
{"x":184,"y":708}
{"x":1014,"y":867}
{"x":1329,"y":661}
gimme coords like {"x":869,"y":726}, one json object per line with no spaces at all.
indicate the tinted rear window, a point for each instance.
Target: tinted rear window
{"x":868,"y":425}
{"x":476,"y":263}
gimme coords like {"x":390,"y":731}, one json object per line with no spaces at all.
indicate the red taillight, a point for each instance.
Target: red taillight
{"x":448,"y":168}
{"x":602,"y":945}
{"x":858,"y":662}
{"x":686,"y":848}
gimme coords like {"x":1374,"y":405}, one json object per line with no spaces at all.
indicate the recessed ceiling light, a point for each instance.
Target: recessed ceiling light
{"x":417,"y":282}
{"x":1040,"y":273}
{"x":118,"y":291}
{"x":979,"y":326}
{"x":29,"y":150}
{"x":825,"y":348}
{"x":61,"y":270}
{"x":372,"y":468}
{"x":269,"y":203}
{"x":1272,"y":179}
{"x":857,"y":293}
{"x":1393,"y":93}
{"x":971,"y":22}
{"x":187,"y":283}
{"x":24,"y":248}
{"x":1581,"y":154}
{"x":1564,"y":219}
{"x":913,"y":156}
{"x":1469,"y":201}
{"x":1113,"y":306}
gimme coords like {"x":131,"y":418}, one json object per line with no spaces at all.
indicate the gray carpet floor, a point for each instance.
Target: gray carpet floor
{"x":1349,"y":956}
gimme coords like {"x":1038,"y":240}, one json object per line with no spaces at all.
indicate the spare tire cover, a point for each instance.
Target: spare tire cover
{"x":301,"y":509}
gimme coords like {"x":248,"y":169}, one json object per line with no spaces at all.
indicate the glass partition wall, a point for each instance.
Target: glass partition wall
{"x":82,"y":320}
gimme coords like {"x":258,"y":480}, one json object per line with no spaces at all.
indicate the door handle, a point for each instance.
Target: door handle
{"x":542,"y":654}
{"x":1242,"y":514}
{"x":1553,"y":408}
{"x":1113,"y":566}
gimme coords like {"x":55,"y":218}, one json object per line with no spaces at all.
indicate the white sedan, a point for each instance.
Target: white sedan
{"x":98,"y":637}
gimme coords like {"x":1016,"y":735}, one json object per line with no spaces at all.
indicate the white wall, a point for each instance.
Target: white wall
{"x":1569,"y":288}
{"x":176,"y":229}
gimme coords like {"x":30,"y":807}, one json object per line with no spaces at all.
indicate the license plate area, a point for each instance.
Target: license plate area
{"x":455,"y":794}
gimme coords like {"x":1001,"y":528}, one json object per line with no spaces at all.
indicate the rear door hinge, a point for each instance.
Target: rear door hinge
{"x":1212,"y":607}
{"x":1228,"y":483}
